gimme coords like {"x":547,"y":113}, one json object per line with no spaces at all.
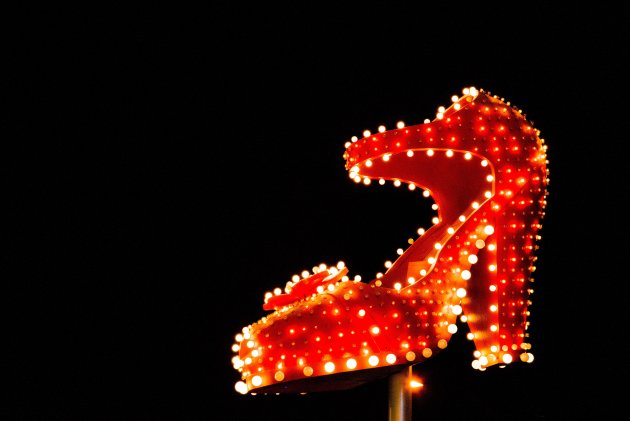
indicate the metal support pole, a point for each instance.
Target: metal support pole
{"x":400,"y":395}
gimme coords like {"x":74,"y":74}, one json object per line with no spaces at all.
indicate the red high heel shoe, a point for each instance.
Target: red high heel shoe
{"x":486,"y":168}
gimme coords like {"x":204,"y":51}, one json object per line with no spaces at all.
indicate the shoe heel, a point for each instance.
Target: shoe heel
{"x":496,"y":306}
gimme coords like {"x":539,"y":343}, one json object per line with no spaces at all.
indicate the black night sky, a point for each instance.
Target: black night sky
{"x":169,"y":164}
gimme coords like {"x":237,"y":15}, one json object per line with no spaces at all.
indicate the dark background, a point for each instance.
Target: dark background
{"x":169,"y":164}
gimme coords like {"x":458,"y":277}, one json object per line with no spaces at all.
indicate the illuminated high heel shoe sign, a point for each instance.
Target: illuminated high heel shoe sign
{"x":485,"y":166}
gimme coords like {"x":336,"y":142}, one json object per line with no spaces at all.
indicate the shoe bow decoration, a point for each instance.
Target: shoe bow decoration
{"x":323,"y":278}
{"x":485,"y":166}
